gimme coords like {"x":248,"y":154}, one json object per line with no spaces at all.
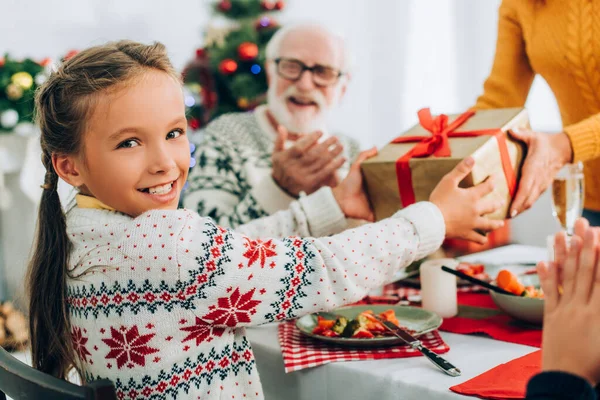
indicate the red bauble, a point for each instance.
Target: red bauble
{"x":70,"y":54}
{"x":2,"y":61}
{"x":200,"y":53}
{"x":194,"y":123}
{"x":247,"y":51}
{"x":225,"y":5}
{"x":46,"y":61}
{"x":267,"y":5}
{"x":279,"y":5}
{"x":228,"y":66}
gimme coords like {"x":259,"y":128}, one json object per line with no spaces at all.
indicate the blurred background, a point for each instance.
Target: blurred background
{"x":407,"y":54}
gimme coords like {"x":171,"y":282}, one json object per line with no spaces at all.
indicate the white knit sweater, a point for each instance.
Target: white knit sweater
{"x":158,"y":304}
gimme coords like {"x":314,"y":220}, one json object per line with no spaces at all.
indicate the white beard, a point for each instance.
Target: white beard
{"x":278,"y":107}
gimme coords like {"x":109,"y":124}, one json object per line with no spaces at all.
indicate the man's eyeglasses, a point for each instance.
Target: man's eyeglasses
{"x":293,"y":69}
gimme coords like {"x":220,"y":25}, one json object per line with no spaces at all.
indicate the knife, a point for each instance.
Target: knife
{"x":416,"y":344}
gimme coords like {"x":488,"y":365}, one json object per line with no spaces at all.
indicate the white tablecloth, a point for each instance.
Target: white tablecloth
{"x":405,"y":378}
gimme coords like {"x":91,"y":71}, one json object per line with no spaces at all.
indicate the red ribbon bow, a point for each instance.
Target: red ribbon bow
{"x":437,"y":145}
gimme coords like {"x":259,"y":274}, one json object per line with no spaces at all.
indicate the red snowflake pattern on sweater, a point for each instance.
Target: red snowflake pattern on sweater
{"x":129,"y":347}
{"x":232,"y":310}
{"x":259,"y":251}
{"x":79,"y":342}
{"x":201,"y":331}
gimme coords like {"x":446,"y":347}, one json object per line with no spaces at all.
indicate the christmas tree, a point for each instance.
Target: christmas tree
{"x":18,"y":81}
{"x":227,"y":74}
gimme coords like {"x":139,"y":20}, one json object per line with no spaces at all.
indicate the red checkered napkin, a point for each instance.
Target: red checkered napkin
{"x":300,"y":352}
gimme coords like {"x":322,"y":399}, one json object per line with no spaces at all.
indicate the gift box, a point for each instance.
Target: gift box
{"x":409,"y":168}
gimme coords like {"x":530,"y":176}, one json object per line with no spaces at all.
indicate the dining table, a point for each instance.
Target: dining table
{"x":400,"y":378}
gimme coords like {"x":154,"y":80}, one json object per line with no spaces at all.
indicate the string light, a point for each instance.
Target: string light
{"x":255,"y":69}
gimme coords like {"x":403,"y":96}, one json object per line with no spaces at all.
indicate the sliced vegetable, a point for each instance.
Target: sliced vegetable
{"x":350,"y":328}
{"x":531,"y":291}
{"x":363,"y":333}
{"x":510,"y":282}
{"x":471,"y":269}
{"x":325,"y":323}
{"x":339,"y":325}
{"x":373,"y":324}
{"x":365,"y":325}
{"x":389,"y":315}
{"x":330,"y":333}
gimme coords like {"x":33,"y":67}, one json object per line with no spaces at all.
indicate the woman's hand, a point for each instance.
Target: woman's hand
{"x":546,"y":155}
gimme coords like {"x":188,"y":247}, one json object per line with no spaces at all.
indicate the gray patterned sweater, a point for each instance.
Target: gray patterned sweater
{"x":232,"y":182}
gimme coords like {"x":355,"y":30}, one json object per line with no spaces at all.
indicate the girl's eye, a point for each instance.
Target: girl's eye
{"x":127,"y":144}
{"x":174,"y":134}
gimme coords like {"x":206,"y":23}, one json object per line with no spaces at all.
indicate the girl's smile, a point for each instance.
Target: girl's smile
{"x":162,"y":193}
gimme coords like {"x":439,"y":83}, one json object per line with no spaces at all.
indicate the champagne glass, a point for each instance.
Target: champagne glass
{"x":567,"y":196}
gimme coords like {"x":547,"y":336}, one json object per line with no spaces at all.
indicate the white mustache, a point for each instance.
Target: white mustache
{"x":315,"y":96}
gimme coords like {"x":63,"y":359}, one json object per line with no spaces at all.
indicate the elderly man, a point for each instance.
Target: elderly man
{"x":251,"y":165}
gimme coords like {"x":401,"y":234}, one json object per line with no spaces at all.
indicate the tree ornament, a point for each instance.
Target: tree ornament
{"x":243,"y":103}
{"x":46,"y":61}
{"x":228,"y":66}
{"x":200,"y":53}
{"x":194,"y":124}
{"x":255,"y":69}
{"x":224,"y":6}
{"x":215,"y":35}
{"x":70,"y":54}
{"x":2,"y":61}
{"x":267,"y":5}
{"x":9,"y":119}
{"x":22,"y":79}
{"x":280,"y":5}
{"x":40,"y":79}
{"x":265,"y":23}
{"x":14,"y":92}
{"x":247,"y":51}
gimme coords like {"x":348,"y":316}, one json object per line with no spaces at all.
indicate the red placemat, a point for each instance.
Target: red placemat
{"x":477,"y":314}
{"x":300,"y":352}
{"x":506,"y":381}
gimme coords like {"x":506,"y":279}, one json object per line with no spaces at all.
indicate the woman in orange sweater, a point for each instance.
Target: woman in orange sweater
{"x":557,"y":39}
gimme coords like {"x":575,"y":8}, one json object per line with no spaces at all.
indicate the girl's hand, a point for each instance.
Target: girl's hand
{"x":350,"y":193}
{"x":463,"y":209}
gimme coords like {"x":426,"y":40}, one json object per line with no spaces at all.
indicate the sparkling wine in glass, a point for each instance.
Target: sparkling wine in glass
{"x":567,"y":196}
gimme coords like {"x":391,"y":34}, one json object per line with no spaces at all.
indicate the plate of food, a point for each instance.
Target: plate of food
{"x":358,"y":326}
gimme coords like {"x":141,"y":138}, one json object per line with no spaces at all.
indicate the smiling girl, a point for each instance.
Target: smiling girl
{"x":127,"y":287}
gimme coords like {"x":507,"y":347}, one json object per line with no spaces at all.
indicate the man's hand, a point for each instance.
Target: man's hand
{"x":307,"y":165}
{"x":546,"y":155}
{"x":350,"y":193}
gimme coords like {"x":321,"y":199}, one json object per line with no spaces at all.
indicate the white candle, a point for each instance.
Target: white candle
{"x":438,"y":288}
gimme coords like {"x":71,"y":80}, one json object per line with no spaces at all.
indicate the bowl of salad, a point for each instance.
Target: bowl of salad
{"x":526,"y":303}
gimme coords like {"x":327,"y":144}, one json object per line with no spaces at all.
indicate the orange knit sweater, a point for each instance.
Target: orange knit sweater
{"x":560,"y":40}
